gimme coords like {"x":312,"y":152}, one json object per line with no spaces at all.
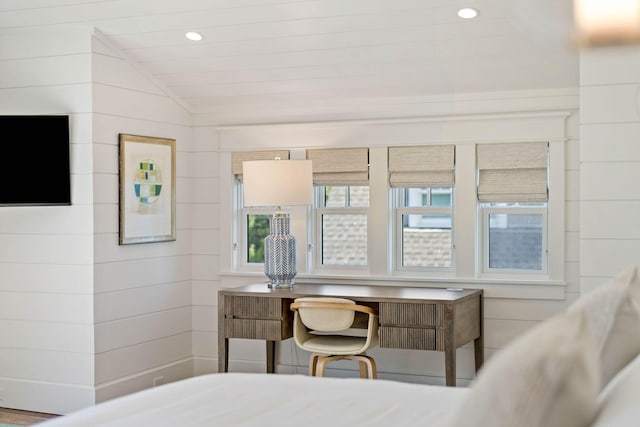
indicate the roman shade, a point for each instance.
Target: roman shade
{"x":422,"y":166}
{"x":237,"y":157}
{"x":514,"y":172}
{"x":340,"y":166}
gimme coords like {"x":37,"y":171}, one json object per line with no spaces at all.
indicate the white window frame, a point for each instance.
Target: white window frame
{"x":397,"y":197}
{"x":317,"y":213}
{"x":242,"y":247}
{"x":485,"y":210}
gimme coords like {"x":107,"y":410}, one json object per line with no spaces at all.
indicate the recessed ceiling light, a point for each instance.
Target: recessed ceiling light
{"x":468,"y":13}
{"x":192,"y":35}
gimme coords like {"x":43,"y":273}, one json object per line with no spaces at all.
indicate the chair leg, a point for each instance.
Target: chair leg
{"x":313,"y":364}
{"x":322,"y":361}
{"x":367,"y":366}
{"x":373,"y":370}
{"x":363,"y":369}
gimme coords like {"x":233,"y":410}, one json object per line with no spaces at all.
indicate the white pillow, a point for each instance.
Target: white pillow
{"x":618,"y":402}
{"x":612,"y":311}
{"x":547,"y":377}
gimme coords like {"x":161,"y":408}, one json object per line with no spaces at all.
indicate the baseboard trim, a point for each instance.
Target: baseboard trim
{"x":49,"y":398}
{"x":140,"y":381}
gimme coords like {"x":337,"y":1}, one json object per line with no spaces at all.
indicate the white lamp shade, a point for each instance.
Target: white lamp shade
{"x":277,"y":182}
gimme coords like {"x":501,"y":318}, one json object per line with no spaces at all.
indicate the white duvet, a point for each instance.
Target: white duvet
{"x":242,"y":399}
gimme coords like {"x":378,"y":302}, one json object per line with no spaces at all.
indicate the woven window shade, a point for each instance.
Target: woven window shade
{"x":237,"y":157}
{"x":424,"y":166}
{"x":512,"y":172}
{"x":340,"y":166}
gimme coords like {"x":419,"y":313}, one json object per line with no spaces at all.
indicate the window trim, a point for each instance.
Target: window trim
{"x":244,"y":236}
{"x":242,"y":217}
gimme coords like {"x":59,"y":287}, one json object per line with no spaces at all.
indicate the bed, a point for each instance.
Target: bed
{"x":579,"y":368}
{"x":243,"y":399}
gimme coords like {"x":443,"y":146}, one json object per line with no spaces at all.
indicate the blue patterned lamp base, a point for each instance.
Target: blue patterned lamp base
{"x":280,"y":252}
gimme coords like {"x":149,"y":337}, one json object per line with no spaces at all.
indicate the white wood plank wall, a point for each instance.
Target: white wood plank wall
{"x":142,"y":292}
{"x":609,"y":162}
{"x":83,"y":319}
{"x":205,"y":217}
{"x":46,"y":255}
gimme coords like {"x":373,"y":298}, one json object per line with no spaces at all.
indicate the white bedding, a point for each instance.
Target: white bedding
{"x":242,"y":399}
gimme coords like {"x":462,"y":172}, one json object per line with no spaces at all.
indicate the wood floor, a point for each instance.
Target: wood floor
{"x":23,"y":418}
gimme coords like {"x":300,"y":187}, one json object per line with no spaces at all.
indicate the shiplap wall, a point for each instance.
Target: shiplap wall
{"x":83,"y":319}
{"x":609,"y":162}
{"x":510,"y":309}
{"x":205,"y":223}
{"x":46,"y":254}
{"x":142,"y":292}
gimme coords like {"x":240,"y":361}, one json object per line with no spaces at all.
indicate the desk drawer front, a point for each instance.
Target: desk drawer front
{"x":410,"y":314}
{"x":407,"y":338}
{"x":271,"y":330}
{"x":254,"y":307}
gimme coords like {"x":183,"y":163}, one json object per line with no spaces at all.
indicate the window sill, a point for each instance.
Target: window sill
{"x":493,"y":287}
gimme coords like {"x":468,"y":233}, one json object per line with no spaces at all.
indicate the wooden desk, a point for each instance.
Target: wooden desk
{"x":410,"y":318}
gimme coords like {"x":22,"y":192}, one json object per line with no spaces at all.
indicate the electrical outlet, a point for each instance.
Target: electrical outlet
{"x":157,"y":381}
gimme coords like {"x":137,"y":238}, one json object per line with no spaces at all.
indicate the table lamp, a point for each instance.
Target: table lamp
{"x":278,"y":183}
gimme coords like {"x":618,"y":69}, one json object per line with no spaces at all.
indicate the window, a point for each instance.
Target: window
{"x":254,"y":227}
{"x":421,"y":179}
{"x":253,"y":222}
{"x":257,"y":228}
{"x":341,"y":225}
{"x":485,"y":212}
{"x":515,"y":236}
{"x":341,"y":179}
{"x":424,"y":219}
{"x":512,"y":191}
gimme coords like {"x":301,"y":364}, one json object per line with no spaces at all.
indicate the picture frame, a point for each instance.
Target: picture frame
{"x":147,"y":193}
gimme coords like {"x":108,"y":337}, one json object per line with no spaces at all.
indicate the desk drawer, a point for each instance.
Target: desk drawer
{"x":272,"y":330}
{"x":255,"y":307}
{"x":260,"y":318}
{"x":408,"y":338}
{"x":410,"y":314}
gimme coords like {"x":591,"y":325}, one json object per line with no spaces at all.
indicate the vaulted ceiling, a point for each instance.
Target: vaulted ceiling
{"x":261,"y":55}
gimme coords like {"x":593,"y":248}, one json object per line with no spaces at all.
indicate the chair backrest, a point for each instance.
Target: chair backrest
{"x":324,"y":313}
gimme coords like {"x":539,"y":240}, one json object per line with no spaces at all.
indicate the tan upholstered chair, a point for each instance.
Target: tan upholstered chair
{"x":322,"y":326}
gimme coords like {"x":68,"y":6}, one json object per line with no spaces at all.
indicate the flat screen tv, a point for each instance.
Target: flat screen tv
{"x":36,"y":168}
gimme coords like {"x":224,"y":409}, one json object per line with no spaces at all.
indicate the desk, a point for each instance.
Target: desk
{"x":410,"y":318}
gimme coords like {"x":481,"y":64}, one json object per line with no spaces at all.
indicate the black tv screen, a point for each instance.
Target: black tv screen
{"x":36,"y":168}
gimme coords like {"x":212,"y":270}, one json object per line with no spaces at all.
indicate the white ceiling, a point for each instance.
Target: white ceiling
{"x":291,"y":55}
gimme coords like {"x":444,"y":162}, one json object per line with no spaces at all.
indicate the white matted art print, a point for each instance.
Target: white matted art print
{"x":147,"y":189}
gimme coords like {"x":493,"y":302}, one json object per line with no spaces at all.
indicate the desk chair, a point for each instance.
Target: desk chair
{"x":322,"y":326}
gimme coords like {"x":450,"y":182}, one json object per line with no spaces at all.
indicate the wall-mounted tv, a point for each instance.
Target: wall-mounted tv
{"x":36,"y":168}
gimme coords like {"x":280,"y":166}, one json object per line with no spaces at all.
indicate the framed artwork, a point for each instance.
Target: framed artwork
{"x":147,"y":189}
